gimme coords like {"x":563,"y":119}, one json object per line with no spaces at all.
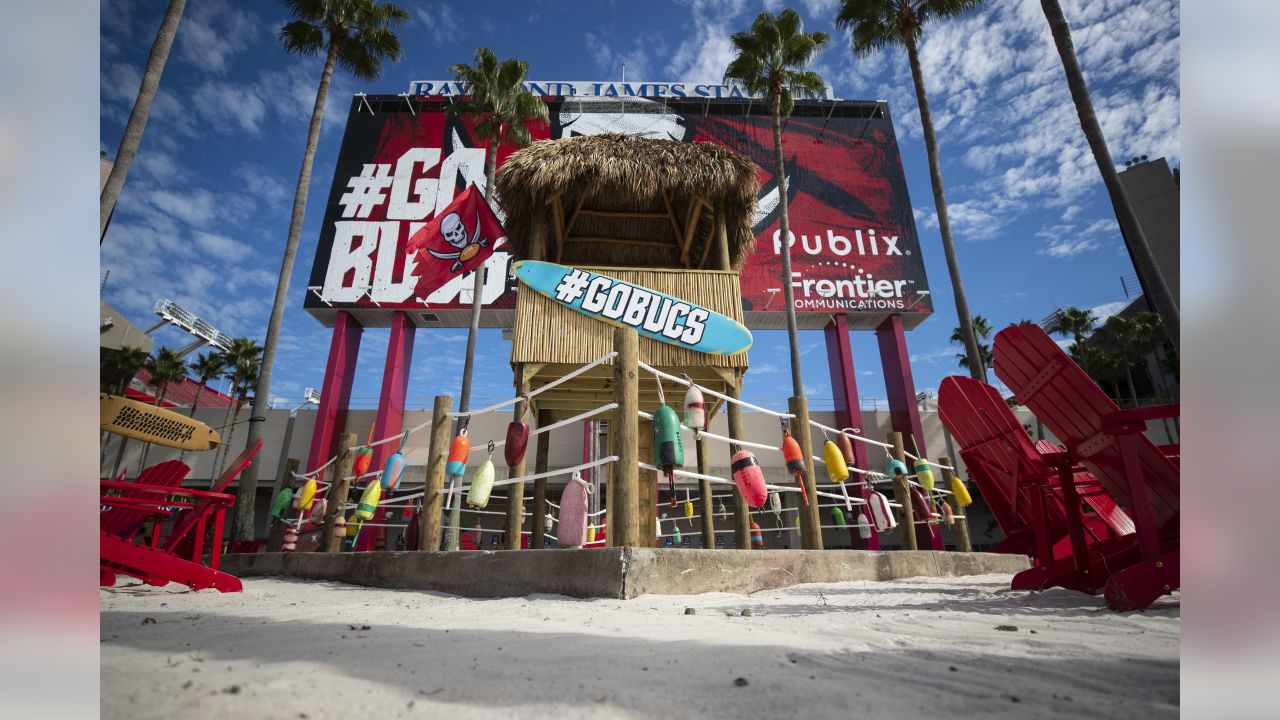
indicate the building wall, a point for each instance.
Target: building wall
{"x":1153,"y":193}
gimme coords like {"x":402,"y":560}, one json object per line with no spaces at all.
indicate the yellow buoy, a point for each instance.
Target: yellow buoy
{"x":688,"y":506}
{"x":369,"y":500}
{"x":837,"y":468}
{"x":591,"y":534}
{"x":960,"y":492}
{"x":306,"y":495}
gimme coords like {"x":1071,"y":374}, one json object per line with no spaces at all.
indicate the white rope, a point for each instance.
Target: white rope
{"x":854,"y":436}
{"x":711,"y":392}
{"x":558,"y":381}
{"x":548,"y":473}
{"x":562,"y":423}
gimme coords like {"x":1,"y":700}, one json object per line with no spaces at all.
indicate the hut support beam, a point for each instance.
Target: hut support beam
{"x":707,"y":510}
{"x":433,"y":495}
{"x":537,"y":538}
{"x":625,"y":428}
{"x":671,"y":215}
{"x":722,"y":240}
{"x":557,"y":217}
{"x":691,"y":225}
{"x":337,"y":493}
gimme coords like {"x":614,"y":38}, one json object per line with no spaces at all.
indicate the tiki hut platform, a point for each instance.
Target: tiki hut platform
{"x":670,"y":216}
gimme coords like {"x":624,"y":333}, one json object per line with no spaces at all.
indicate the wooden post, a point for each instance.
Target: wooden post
{"x":961,"y":527}
{"x":338,"y":491}
{"x":515,"y":492}
{"x":902,"y":493}
{"x":741,"y":512}
{"x":722,"y":240}
{"x":626,"y":429}
{"x":647,"y":507}
{"x":810,"y":519}
{"x":537,"y":540}
{"x":433,"y":488}
{"x":275,"y":539}
{"x":704,"y":494}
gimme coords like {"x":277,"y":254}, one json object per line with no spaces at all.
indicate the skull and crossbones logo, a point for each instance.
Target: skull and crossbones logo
{"x":455,"y":233}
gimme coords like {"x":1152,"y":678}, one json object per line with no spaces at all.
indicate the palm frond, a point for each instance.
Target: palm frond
{"x":302,"y":38}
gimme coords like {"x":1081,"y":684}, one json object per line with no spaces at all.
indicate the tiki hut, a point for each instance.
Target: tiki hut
{"x":621,"y":201}
{"x":671,"y":216}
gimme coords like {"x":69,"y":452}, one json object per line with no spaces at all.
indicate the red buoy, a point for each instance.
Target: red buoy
{"x":517,"y":442}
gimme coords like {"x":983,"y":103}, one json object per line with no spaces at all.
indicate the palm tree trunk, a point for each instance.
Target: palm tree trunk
{"x":248,"y":486}
{"x":793,"y":336}
{"x":468,"y":363}
{"x":976,"y":369}
{"x":1152,"y":280}
{"x":138,"y":117}
{"x":195,"y":404}
{"x":1128,"y":378}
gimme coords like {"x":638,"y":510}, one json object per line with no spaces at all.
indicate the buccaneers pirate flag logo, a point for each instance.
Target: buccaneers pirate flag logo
{"x":459,"y":239}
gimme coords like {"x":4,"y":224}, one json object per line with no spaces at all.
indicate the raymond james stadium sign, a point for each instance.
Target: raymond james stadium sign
{"x":590,"y":88}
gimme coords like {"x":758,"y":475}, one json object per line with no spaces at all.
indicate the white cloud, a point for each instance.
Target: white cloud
{"x":440,"y":22}
{"x":1067,"y":247}
{"x":213,"y":31}
{"x":230,"y":107}
{"x":703,"y":56}
{"x":1106,"y":310}
{"x":221,"y":246}
{"x":195,"y":207}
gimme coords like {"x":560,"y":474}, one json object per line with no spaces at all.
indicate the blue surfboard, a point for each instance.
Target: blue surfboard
{"x":650,"y":313}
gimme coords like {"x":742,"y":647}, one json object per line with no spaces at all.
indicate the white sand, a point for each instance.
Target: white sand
{"x":924,"y":648}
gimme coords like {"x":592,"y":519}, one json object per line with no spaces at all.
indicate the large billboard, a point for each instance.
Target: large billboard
{"x":855,"y":249}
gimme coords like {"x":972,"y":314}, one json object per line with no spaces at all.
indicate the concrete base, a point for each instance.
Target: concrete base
{"x":616,"y":572}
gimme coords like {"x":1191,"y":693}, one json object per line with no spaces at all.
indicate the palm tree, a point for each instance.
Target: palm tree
{"x":120,"y":367}
{"x":1153,"y":282}
{"x":503,"y":110}
{"x":206,"y":367}
{"x":1099,"y":365}
{"x":770,"y":60}
{"x":141,"y":110}
{"x":875,"y":24}
{"x":243,"y":361}
{"x":166,"y":368}
{"x":982,"y":330}
{"x":357,"y":35}
{"x":1073,"y":321}
{"x":1124,"y":341}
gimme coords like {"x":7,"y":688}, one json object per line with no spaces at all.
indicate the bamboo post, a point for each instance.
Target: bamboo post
{"x":961,"y":527}
{"x":902,"y":493}
{"x":338,"y":491}
{"x":810,"y":520}
{"x":704,"y":493}
{"x":741,"y":512}
{"x":626,"y":429}
{"x":275,"y":539}
{"x":722,"y":240}
{"x":537,"y":539}
{"x":515,"y":492}
{"x":433,"y":489}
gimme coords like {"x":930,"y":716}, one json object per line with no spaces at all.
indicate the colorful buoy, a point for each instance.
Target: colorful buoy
{"x":281,"y":503}
{"x":895,"y":467}
{"x":757,"y":536}
{"x":920,"y":506}
{"x":924,"y":475}
{"x":591,"y":534}
{"x":881,"y":513}
{"x":352,"y":525}
{"x":794,"y":456}
{"x":846,"y":449}
{"x":369,"y":501}
{"x":456,"y":466}
{"x":668,"y":445}
{"x":837,"y":468}
{"x":837,"y":516}
{"x":960,"y":492}
{"x":573,"y":513}
{"x":318,"y":509}
{"x":695,"y":409}
{"x":517,"y":441}
{"x":864,"y":526}
{"x":392,"y":471}
{"x":304,"y":497}
{"x":749,"y":478}
{"x":948,"y":515}
{"x":675,"y":533}
{"x":364,"y":458}
{"x":688,"y":505}
{"x":339,"y":526}
{"x":290,"y":540}
{"x":481,"y":485}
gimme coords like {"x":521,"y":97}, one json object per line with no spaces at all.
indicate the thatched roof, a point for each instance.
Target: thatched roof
{"x":629,"y":201}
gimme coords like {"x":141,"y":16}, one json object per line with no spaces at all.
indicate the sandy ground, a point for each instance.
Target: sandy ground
{"x":929,"y":648}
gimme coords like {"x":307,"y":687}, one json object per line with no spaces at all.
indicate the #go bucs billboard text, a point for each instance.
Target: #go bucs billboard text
{"x":854,"y":244}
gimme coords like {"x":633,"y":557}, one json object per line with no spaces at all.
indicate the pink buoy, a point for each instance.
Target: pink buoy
{"x":573,"y":514}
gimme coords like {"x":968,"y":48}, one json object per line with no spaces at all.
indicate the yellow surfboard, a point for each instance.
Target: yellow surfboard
{"x":141,"y":421}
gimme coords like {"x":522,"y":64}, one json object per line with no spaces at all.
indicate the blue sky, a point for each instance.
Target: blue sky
{"x":205,"y":211}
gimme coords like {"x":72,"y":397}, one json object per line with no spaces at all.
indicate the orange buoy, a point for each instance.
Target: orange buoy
{"x":757,"y":536}
{"x":458,"y":452}
{"x":795,"y":462}
{"x":846,"y":448}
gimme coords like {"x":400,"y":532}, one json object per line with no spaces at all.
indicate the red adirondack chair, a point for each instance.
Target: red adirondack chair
{"x":1139,"y":476}
{"x":125,"y":522}
{"x":177,"y":557}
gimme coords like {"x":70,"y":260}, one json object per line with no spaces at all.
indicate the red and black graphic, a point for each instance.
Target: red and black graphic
{"x":854,"y":246}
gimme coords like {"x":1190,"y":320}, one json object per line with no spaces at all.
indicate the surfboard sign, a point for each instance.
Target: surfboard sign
{"x":141,"y":421}
{"x":650,"y":313}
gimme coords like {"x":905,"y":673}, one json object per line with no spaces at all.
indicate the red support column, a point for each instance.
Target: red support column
{"x":904,"y":411}
{"x":844,"y":391}
{"x":390,"y":418}
{"x":335,"y":390}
